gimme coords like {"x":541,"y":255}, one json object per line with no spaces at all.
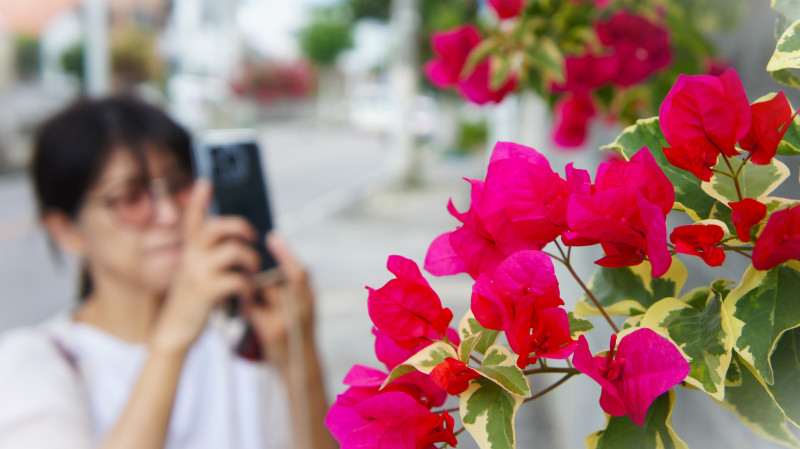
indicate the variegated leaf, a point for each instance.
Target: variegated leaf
{"x":488,"y":411}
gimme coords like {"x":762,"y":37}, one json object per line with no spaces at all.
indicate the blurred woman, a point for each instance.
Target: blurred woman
{"x":144,"y":358}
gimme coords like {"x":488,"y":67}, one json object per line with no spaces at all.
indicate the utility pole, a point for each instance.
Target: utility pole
{"x":404,"y":84}
{"x":96,"y":48}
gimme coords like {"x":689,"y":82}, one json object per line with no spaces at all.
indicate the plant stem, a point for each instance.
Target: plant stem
{"x":735,"y":176}
{"x":550,"y":370}
{"x":586,"y":289}
{"x":550,"y":388}
{"x":738,"y":249}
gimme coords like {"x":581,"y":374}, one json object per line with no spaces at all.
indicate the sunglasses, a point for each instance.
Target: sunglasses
{"x":135,"y":204}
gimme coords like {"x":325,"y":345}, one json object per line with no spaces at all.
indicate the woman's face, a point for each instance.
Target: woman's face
{"x":130,"y":223}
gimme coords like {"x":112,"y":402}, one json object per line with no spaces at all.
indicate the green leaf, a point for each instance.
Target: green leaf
{"x":467,"y":346}
{"x":787,"y":52}
{"x":689,"y":196}
{"x":656,"y":433}
{"x":499,"y":365}
{"x":578,"y":325}
{"x":469,"y":326}
{"x":546,"y":55}
{"x":790,"y":145}
{"x":760,"y":309}
{"x":425,"y":360}
{"x":488,"y":413}
{"x":787,"y":77}
{"x":631,"y":290}
{"x":788,"y":12}
{"x":754,"y":406}
{"x":755,"y":181}
{"x":478,"y":54}
{"x":500,"y":70}
{"x":697,"y":297}
{"x":786,"y":367}
{"x":703,"y":336}
{"x":734,"y":376}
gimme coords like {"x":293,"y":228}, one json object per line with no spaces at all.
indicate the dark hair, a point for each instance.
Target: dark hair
{"x":72,"y":148}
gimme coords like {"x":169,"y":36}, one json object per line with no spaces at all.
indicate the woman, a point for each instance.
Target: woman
{"x":144,"y":360}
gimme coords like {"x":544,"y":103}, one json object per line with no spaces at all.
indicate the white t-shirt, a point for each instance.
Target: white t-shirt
{"x":223,"y":401}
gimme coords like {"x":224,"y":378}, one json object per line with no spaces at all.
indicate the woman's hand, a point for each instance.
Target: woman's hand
{"x":288,"y":304}
{"x":217,"y":262}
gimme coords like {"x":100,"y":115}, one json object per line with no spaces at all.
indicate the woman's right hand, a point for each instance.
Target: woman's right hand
{"x":217,"y":261}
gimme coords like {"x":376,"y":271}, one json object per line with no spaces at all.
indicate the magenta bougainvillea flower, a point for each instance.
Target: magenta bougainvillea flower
{"x":573,"y":113}
{"x":701,"y":241}
{"x":452,"y":48}
{"x":587,"y":72}
{"x":779,"y":241}
{"x":407,"y":308}
{"x":745,"y":214}
{"x":770,"y":121}
{"x":521,"y":206}
{"x":626,"y":214}
{"x":381,"y":420}
{"x":522,"y":299}
{"x":507,"y":9}
{"x":644,"y":366}
{"x":638,"y":46}
{"x":453,"y":376}
{"x":703,"y":116}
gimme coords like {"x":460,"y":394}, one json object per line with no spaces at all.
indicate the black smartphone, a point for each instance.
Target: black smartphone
{"x":231,"y":159}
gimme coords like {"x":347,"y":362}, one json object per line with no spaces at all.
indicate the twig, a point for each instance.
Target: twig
{"x":550,"y":388}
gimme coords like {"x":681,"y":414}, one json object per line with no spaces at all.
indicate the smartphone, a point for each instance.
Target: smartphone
{"x":231,"y":159}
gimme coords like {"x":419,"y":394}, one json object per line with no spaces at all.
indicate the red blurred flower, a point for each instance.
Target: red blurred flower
{"x":573,"y":113}
{"x":407,"y":308}
{"x":453,"y":376}
{"x":770,"y":120}
{"x":451,"y":49}
{"x":701,"y":241}
{"x":640,"y":46}
{"x":746,"y":214}
{"x":703,"y":116}
{"x":507,"y":9}
{"x":522,"y":299}
{"x":586,"y":73}
{"x":779,"y":241}
{"x":644,"y":366}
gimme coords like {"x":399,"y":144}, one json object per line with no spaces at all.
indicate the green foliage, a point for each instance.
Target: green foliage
{"x":786,"y":373}
{"x":370,"y":9}
{"x":72,"y":60}
{"x":703,"y":336}
{"x":755,"y":181}
{"x":499,"y":365}
{"x":326,"y":37}
{"x":656,"y":433}
{"x":488,"y":412}
{"x":424,"y":361}
{"x":631,"y":290}
{"x":469,"y":327}
{"x":752,"y":403}
{"x":761,"y":308}
{"x":578,"y":325}
{"x":26,"y":56}
{"x":471,"y":135}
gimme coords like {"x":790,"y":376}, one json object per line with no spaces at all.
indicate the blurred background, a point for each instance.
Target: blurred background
{"x":361,"y":153}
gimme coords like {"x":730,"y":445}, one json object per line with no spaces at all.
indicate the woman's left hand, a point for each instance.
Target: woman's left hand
{"x":288,"y":305}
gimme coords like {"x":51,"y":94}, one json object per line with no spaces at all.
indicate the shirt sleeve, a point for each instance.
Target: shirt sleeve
{"x":43,"y":403}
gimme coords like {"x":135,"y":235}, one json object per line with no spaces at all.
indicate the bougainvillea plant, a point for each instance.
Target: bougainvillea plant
{"x":710,"y":155}
{"x":588,"y":59}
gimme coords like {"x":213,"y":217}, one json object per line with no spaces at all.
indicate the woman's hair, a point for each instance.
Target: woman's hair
{"x":71,"y":150}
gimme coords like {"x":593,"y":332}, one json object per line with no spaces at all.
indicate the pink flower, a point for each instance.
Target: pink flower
{"x":407,"y":308}
{"x":453,"y":376}
{"x":522,"y":299}
{"x":507,"y":9}
{"x":644,"y":366}
{"x":639,"y":46}
{"x":626,"y":215}
{"x":770,"y":122}
{"x":703,"y":116}
{"x":701,"y":241}
{"x":745,"y":214}
{"x":452,"y":48}
{"x":586,"y":73}
{"x":779,"y":241}
{"x":386,"y":419}
{"x":573,"y":113}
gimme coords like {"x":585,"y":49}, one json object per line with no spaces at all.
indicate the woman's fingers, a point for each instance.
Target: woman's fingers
{"x":235,"y":254}
{"x":292,"y":269}
{"x":223,"y":228}
{"x":195,"y":213}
